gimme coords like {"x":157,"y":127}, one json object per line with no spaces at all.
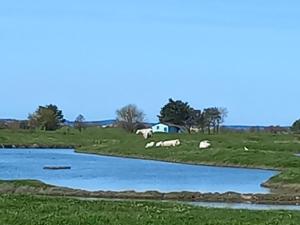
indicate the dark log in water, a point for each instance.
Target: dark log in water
{"x":57,"y":167}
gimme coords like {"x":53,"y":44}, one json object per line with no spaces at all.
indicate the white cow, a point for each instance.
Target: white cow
{"x":145,"y":132}
{"x":159,"y":144}
{"x":150,"y":144}
{"x":170,"y":143}
{"x":204,"y":144}
{"x":194,"y":130}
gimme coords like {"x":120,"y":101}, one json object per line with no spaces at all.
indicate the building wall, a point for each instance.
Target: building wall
{"x":173,"y":129}
{"x":160,"y":128}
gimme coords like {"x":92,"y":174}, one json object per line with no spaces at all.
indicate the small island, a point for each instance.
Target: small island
{"x":57,"y":167}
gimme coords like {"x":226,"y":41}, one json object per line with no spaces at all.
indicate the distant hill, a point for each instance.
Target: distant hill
{"x":10,"y":120}
{"x":243,"y":127}
{"x":93,"y":123}
{"x":246,"y":127}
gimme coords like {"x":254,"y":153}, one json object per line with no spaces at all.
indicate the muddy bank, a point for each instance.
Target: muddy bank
{"x":229,"y":197}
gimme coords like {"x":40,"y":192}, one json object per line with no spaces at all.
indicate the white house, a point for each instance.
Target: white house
{"x":166,"y":128}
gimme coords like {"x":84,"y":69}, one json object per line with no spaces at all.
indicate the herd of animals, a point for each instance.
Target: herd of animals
{"x":147,"y":133}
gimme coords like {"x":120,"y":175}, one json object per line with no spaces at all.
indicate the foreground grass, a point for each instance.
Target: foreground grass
{"x":265,"y":150}
{"x":19,"y":210}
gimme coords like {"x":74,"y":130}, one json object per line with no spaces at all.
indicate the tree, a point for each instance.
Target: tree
{"x":223,"y":112}
{"x":193,"y":119}
{"x":32,"y":121}
{"x":296,"y":126}
{"x":79,"y":122}
{"x":178,"y":113}
{"x":47,"y":117}
{"x":130,"y":117}
{"x":213,"y":117}
{"x":200,"y":121}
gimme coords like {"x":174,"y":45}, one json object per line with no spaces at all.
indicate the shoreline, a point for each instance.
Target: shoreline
{"x":33,"y":187}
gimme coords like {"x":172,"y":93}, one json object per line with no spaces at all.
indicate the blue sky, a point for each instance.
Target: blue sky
{"x":92,"y":57}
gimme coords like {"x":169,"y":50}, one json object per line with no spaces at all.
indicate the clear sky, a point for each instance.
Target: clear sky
{"x":92,"y":57}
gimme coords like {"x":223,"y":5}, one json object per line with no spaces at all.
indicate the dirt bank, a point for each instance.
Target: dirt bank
{"x":11,"y":187}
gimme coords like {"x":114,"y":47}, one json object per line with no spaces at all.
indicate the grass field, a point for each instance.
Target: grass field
{"x":265,"y":150}
{"x":19,"y":210}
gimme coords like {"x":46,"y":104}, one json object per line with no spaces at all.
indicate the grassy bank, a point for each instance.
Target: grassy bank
{"x":17,"y":210}
{"x":265,"y":150}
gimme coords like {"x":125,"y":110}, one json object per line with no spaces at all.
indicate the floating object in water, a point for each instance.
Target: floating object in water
{"x":57,"y":167}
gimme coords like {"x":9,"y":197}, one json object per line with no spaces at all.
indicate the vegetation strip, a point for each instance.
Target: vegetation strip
{"x":19,"y":210}
{"x":31,"y":187}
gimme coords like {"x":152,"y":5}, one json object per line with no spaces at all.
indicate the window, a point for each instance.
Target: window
{"x":165,"y":129}
{"x":157,"y":127}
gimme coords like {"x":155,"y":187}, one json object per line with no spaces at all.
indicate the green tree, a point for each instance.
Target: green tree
{"x":79,"y":122}
{"x":296,"y":126}
{"x":130,"y":117}
{"x":47,"y":117}
{"x":213,"y":117}
{"x":178,"y":113}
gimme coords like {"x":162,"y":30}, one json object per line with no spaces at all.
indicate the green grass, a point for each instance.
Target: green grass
{"x":265,"y":150}
{"x":19,"y":210}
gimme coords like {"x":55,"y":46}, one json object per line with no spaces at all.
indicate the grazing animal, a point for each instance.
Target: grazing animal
{"x":194,"y":130}
{"x":145,"y":132}
{"x":246,"y":149}
{"x":159,"y":144}
{"x":204,"y":144}
{"x":150,"y":144}
{"x":170,"y":143}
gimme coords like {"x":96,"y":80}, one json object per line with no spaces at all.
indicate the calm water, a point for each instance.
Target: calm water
{"x":91,"y":172}
{"x":246,"y":206}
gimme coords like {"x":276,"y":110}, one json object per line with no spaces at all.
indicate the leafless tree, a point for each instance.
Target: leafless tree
{"x":130,"y":117}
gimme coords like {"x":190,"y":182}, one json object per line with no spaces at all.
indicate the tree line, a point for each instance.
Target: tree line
{"x":131,"y":118}
{"x":175,"y":112}
{"x":48,"y":118}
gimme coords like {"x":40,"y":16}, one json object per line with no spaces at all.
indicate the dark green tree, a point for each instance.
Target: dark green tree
{"x":178,"y":113}
{"x":47,"y":117}
{"x":296,"y":126}
{"x":79,"y":122}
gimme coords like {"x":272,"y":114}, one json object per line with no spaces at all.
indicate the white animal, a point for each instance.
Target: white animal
{"x":246,"y":149}
{"x":150,"y":144}
{"x":194,"y":130}
{"x":204,"y":144}
{"x":159,"y":144}
{"x":170,"y":143}
{"x":145,"y":132}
